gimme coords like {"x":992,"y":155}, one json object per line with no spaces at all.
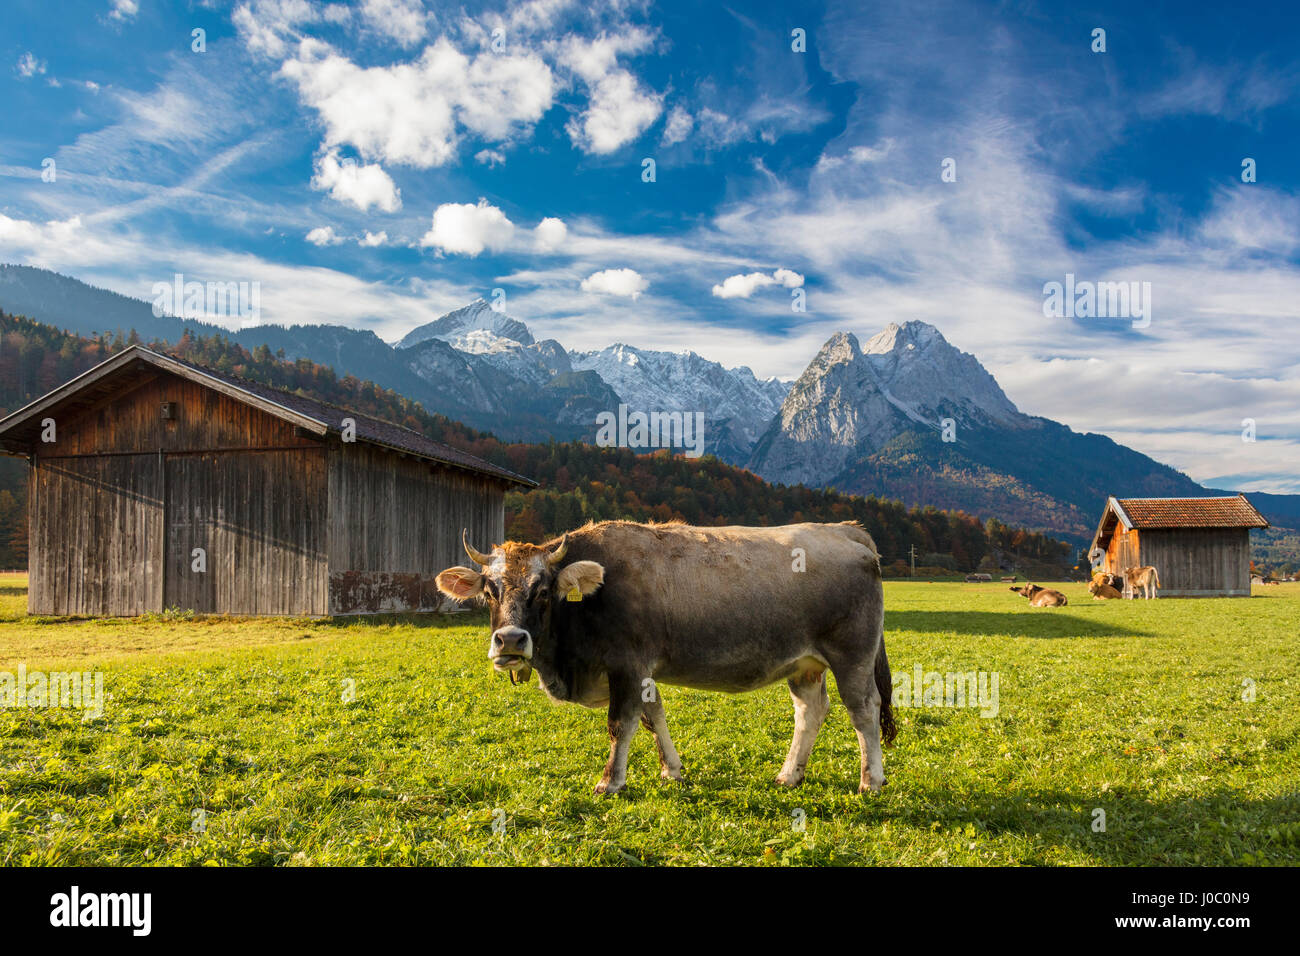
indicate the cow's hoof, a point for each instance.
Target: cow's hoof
{"x":789,"y":779}
{"x":869,"y":787}
{"x":607,"y":789}
{"x":674,"y":775}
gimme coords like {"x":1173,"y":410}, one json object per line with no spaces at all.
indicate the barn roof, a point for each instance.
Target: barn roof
{"x":320,"y":418}
{"x":1231,"y":512}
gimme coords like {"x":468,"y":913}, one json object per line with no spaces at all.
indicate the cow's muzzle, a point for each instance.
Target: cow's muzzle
{"x":511,"y":648}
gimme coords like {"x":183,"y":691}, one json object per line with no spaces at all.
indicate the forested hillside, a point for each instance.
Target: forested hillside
{"x":578,"y":481}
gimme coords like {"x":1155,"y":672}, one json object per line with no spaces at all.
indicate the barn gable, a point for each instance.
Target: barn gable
{"x":1200,"y":547}
{"x":150,"y":461}
{"x":129,"y":369}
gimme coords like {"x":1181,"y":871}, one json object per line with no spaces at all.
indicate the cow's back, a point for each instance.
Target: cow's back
{"x":724,"y":588}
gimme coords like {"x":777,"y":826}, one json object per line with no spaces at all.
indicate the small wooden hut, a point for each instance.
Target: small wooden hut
{"x":1200,"y":547}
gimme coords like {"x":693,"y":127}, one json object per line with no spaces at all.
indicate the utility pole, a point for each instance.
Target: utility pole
{"x":913,"y":550}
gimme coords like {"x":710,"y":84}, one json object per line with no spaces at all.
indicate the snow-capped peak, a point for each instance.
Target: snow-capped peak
{"x":476,"y":328}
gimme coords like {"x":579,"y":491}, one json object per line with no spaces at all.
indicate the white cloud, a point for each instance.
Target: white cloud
{"x":1237,"y":92}
{"x":350,"y":182}
{"x":124,"y":9}
{"x":268,"y":26}
{"x":399,"y":20}
{"x":324,"y":236}
{"x":618,"y":108}
{"x":469,"y":229}
{"x":717,"y":129}
{"x":491,"y":158}
{"x":744,"y":285}
{"x":677,"y":127}
{"x":627,"y":283}
{"x":371,"y":239}
{"x":1252,"y":219}
{"x":533,"y":16}
{"x":42,"y":239}
{"x":550,"y":234}
{"x":857,"y":155}
{"x":29,"y":66}
{"x":413,"y":113}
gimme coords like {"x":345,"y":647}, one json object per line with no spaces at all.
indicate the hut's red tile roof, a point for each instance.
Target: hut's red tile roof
{"x":1235,"y":512}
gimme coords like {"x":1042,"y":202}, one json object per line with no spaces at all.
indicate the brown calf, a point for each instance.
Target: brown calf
{"x":1146,"y":578}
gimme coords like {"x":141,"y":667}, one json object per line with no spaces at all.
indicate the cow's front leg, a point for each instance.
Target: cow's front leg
{"x":624,"y":711}
{"x":655,"y":721}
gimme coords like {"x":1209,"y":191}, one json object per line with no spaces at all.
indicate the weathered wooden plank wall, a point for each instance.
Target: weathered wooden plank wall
{"x":95,"y":524}
{"x":1199,"y":562}
{"x":260,"y":517}
{"x":395,"y":522}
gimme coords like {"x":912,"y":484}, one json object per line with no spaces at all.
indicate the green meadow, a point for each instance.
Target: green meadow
{"x":227,"y":741}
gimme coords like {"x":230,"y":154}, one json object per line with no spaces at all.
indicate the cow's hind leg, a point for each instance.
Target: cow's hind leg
{"x":811,"y":704}
{"x":624,"y":711}
{"x":654,"y":720}
{"x":861,"y":696}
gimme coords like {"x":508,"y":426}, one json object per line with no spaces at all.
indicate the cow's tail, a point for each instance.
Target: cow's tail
{"x":885,"y":685}
{"x":1156,"y":575}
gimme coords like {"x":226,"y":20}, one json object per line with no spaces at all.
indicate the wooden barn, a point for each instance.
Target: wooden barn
{"x":1200,"y":547}
{"x":159,"y":484}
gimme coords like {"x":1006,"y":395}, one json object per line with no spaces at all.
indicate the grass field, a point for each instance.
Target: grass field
{"x":228,"y":741}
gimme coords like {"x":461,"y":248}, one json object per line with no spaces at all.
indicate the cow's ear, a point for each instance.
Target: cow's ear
{"x":585,"y":576}
{"x":460,"y":583}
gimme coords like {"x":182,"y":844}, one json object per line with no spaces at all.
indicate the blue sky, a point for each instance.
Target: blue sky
{"x":430,"y":163}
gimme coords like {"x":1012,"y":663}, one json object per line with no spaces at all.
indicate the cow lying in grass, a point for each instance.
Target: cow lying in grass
{"x":608,"y":612}
{"x":1102,"y":591}
{"x":1042,"y":597}
{"x":1112,"y":580}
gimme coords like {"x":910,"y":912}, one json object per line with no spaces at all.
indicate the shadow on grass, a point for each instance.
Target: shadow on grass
{"x":11,"y":590}
{"x":1140,"y":831}
{"x":1043,"y":623}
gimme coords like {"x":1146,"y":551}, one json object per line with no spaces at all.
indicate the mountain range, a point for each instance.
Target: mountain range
{"x":907,"y":415}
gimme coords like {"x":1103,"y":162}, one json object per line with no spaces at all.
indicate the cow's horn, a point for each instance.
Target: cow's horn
{"x":556,"y":556}
{"x":469,"y":549}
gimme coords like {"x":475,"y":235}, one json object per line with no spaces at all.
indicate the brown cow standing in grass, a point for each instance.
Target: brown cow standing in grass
{"x":606,"y":613}
{"x":1042,"y":597}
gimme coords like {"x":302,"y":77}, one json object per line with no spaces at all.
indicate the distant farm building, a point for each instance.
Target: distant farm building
{"x":155,"y":484}
{"x":1200,"y":547}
